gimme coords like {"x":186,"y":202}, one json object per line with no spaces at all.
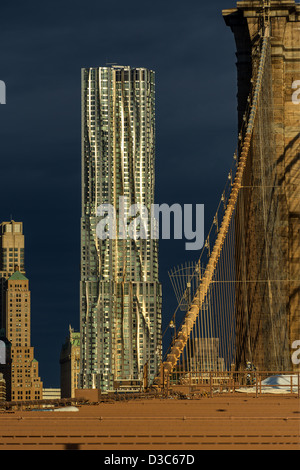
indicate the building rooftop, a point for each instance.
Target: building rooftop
{"x":17,"y":276}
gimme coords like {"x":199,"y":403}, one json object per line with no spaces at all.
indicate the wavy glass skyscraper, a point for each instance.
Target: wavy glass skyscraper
{"x":120,"y":291}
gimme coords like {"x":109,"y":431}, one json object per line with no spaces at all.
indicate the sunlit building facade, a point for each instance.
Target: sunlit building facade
{"x":120,"y":318}
{"x":15,"y":314}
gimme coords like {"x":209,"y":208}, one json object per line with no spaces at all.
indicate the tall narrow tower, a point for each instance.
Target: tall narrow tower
{"x":120,"y":317}
{"x":15,"y":313}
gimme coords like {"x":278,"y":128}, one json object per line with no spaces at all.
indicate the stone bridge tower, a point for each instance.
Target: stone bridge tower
{"x":268,"y":212}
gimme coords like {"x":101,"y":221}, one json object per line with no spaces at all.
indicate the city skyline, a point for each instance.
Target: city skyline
{"x":45,"y":159}
{"x":149,"y":236}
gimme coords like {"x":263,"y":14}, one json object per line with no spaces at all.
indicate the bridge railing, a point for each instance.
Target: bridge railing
{"x":215,"y":383}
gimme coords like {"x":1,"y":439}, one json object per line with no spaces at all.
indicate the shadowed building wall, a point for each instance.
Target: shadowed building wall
{"x":70,"y":364}
{"x":268,"y":211}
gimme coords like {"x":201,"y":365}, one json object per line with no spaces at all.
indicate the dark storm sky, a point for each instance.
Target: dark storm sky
{"x":44,"y":45}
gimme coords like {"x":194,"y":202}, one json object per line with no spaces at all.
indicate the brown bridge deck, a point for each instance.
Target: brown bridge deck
{"x":231,"y":423}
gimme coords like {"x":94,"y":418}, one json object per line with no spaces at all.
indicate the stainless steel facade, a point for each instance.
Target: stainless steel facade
{"x":120,"y":317}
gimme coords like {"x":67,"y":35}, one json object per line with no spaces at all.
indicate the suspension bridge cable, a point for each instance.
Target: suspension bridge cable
{"x":183,"y":335}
